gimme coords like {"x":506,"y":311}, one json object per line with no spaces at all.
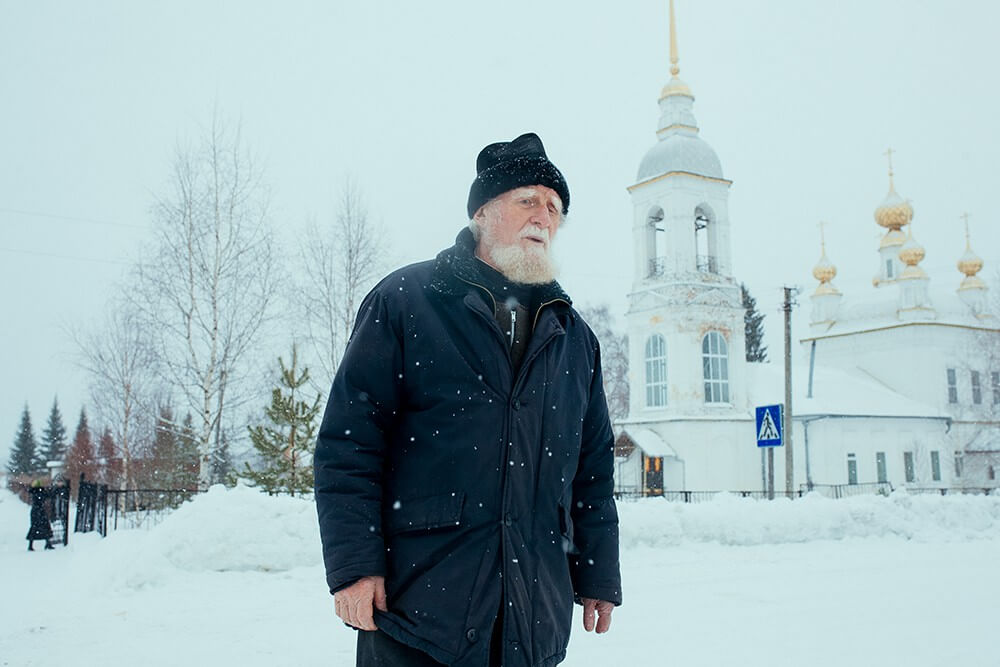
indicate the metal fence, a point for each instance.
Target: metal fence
{"x":702,"y":496}
{"x":144,"y":508}
{"x":849,"y":490}
{"x":828,"y":490}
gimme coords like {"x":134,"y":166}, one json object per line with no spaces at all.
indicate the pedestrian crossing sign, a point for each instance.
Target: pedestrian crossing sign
{"x":770,"y":425}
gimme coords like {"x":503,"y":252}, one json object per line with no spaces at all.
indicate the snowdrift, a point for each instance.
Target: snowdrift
{"x":244,"y":530}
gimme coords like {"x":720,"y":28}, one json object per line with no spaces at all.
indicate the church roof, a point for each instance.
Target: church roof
{"x":648,"y":441}
{"x":835,"y":391}
{"x":680,"y":152}
{"x":867,"y":309}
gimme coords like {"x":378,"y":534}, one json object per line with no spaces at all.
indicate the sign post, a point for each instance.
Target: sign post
{"x":770,"y":423}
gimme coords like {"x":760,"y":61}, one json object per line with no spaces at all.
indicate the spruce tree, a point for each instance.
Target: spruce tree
{"x":285,"y":445}
{"x":222,"y":464}
{"x":54,"y":435}
{"x":110,"y":462}
{"x":164,"y":464}
{"x":81,"y":458}
{"x":188,"y":460}
{"x":753,"y":325}
{"x":23,"y":457}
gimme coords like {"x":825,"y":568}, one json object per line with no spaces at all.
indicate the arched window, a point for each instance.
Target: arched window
{"x":656,"y":371}
{"x":715,"y":365}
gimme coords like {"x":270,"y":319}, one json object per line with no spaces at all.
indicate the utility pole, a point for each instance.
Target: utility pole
{"x":790,"y":293}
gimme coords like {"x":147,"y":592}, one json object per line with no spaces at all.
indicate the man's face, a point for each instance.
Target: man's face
{"x":517,"y":229}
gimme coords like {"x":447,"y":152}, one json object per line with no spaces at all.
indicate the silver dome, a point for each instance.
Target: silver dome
{"x":680,"y":152}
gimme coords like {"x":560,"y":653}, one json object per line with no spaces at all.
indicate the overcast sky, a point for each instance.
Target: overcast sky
{"x":799,"y":99}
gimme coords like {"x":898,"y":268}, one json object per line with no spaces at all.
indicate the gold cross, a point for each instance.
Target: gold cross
{"x":889,"y":152}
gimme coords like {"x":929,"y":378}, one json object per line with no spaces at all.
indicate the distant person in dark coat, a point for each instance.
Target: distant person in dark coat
{"x":40,"y":528}
{"x":464,"y":464}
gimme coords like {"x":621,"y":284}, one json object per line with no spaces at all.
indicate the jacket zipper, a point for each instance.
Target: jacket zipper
{"x":506,"y":444}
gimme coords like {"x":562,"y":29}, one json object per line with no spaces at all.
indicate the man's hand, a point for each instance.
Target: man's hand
{"x":354,"y":603}
{"x":603,"y":609}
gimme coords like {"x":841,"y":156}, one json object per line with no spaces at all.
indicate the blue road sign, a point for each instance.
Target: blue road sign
{"x":770,"y":425}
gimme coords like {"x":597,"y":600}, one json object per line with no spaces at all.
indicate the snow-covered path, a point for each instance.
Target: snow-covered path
{"x":910,"y":581}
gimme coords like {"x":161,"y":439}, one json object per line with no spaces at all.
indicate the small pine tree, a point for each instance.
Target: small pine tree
{"x":163,"y":466}
{"x":54,"y":435}
{"x":24,"y":455}
{"x":188,"y":460}
{"x":81,"y":458}
{"x":285,"y":446}
{"x":753,"y":326}
{"x":110,"y":462}
{"x":222,"y":463}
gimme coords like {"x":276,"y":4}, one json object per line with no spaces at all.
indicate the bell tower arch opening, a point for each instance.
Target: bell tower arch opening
{"x":705,"y":240}
{"x":656,"y":242}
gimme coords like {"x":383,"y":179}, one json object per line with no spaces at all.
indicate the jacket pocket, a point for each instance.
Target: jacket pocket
{"x":566,"y":529}
{"x":425,"y":514}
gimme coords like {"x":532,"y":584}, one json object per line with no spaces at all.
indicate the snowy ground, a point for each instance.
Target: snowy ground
{"x":234,"y":578}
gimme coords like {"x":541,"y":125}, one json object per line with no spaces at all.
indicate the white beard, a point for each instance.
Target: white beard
{"x":529,"y":266}
{"x":533,"y":265}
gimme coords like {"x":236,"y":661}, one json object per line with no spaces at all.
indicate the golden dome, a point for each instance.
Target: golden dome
{"x":912,"y":252}
{"x":894,"y":212}
{"x":970,"y":263}
{"x":893,"y":237}
{"x":824,"y":271}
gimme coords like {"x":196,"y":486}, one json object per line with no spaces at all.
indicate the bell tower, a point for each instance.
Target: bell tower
{"x":685,"y":314}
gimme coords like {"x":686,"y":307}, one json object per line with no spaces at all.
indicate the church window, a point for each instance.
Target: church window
{"x":958,"y":464}
{"x":908,"y":470}
{"x":996,"y":387}
{"x":656,"y":371}
{"x":888,"y":269}
{"x":952,"y":386}
{"x":991,"y":473}
{"x":880,"y":467}
{"x":715,"y":366}
{"x":852,"y":469}
{"x":977,"y":390}
{"x":936,"y":466}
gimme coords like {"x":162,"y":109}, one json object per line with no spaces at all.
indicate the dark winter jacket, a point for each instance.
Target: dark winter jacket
{"x":464,"y":484}
{"x":40,"y":528}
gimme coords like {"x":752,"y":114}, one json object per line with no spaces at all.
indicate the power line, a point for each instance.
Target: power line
{"x":72,"y":257}
{"x":55,"y":216}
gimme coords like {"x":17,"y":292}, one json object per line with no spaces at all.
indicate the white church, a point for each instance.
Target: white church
{"x":898,"y":387}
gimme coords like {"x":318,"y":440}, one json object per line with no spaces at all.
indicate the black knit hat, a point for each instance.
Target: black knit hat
{"x":507,"y":165}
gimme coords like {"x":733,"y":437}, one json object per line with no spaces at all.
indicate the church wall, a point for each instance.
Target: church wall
{"x":832,"y":439}
{"x":913,"y":361}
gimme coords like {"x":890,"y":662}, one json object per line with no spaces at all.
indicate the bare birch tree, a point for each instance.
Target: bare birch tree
{"x":614,"y":358}
{"x":121,"y":363}
{"x":341,"y":262}
{"x":208,"y":288}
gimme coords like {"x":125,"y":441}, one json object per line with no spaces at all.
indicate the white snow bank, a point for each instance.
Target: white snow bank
{"x":733,"y":520}
{"x":244,"y":530}
{"x":15,"y":517}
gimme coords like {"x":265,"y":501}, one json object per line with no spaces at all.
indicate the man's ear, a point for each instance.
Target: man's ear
{"x":480,"y":214}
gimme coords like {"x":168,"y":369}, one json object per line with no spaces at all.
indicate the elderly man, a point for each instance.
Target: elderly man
{"x":464,"y":464}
